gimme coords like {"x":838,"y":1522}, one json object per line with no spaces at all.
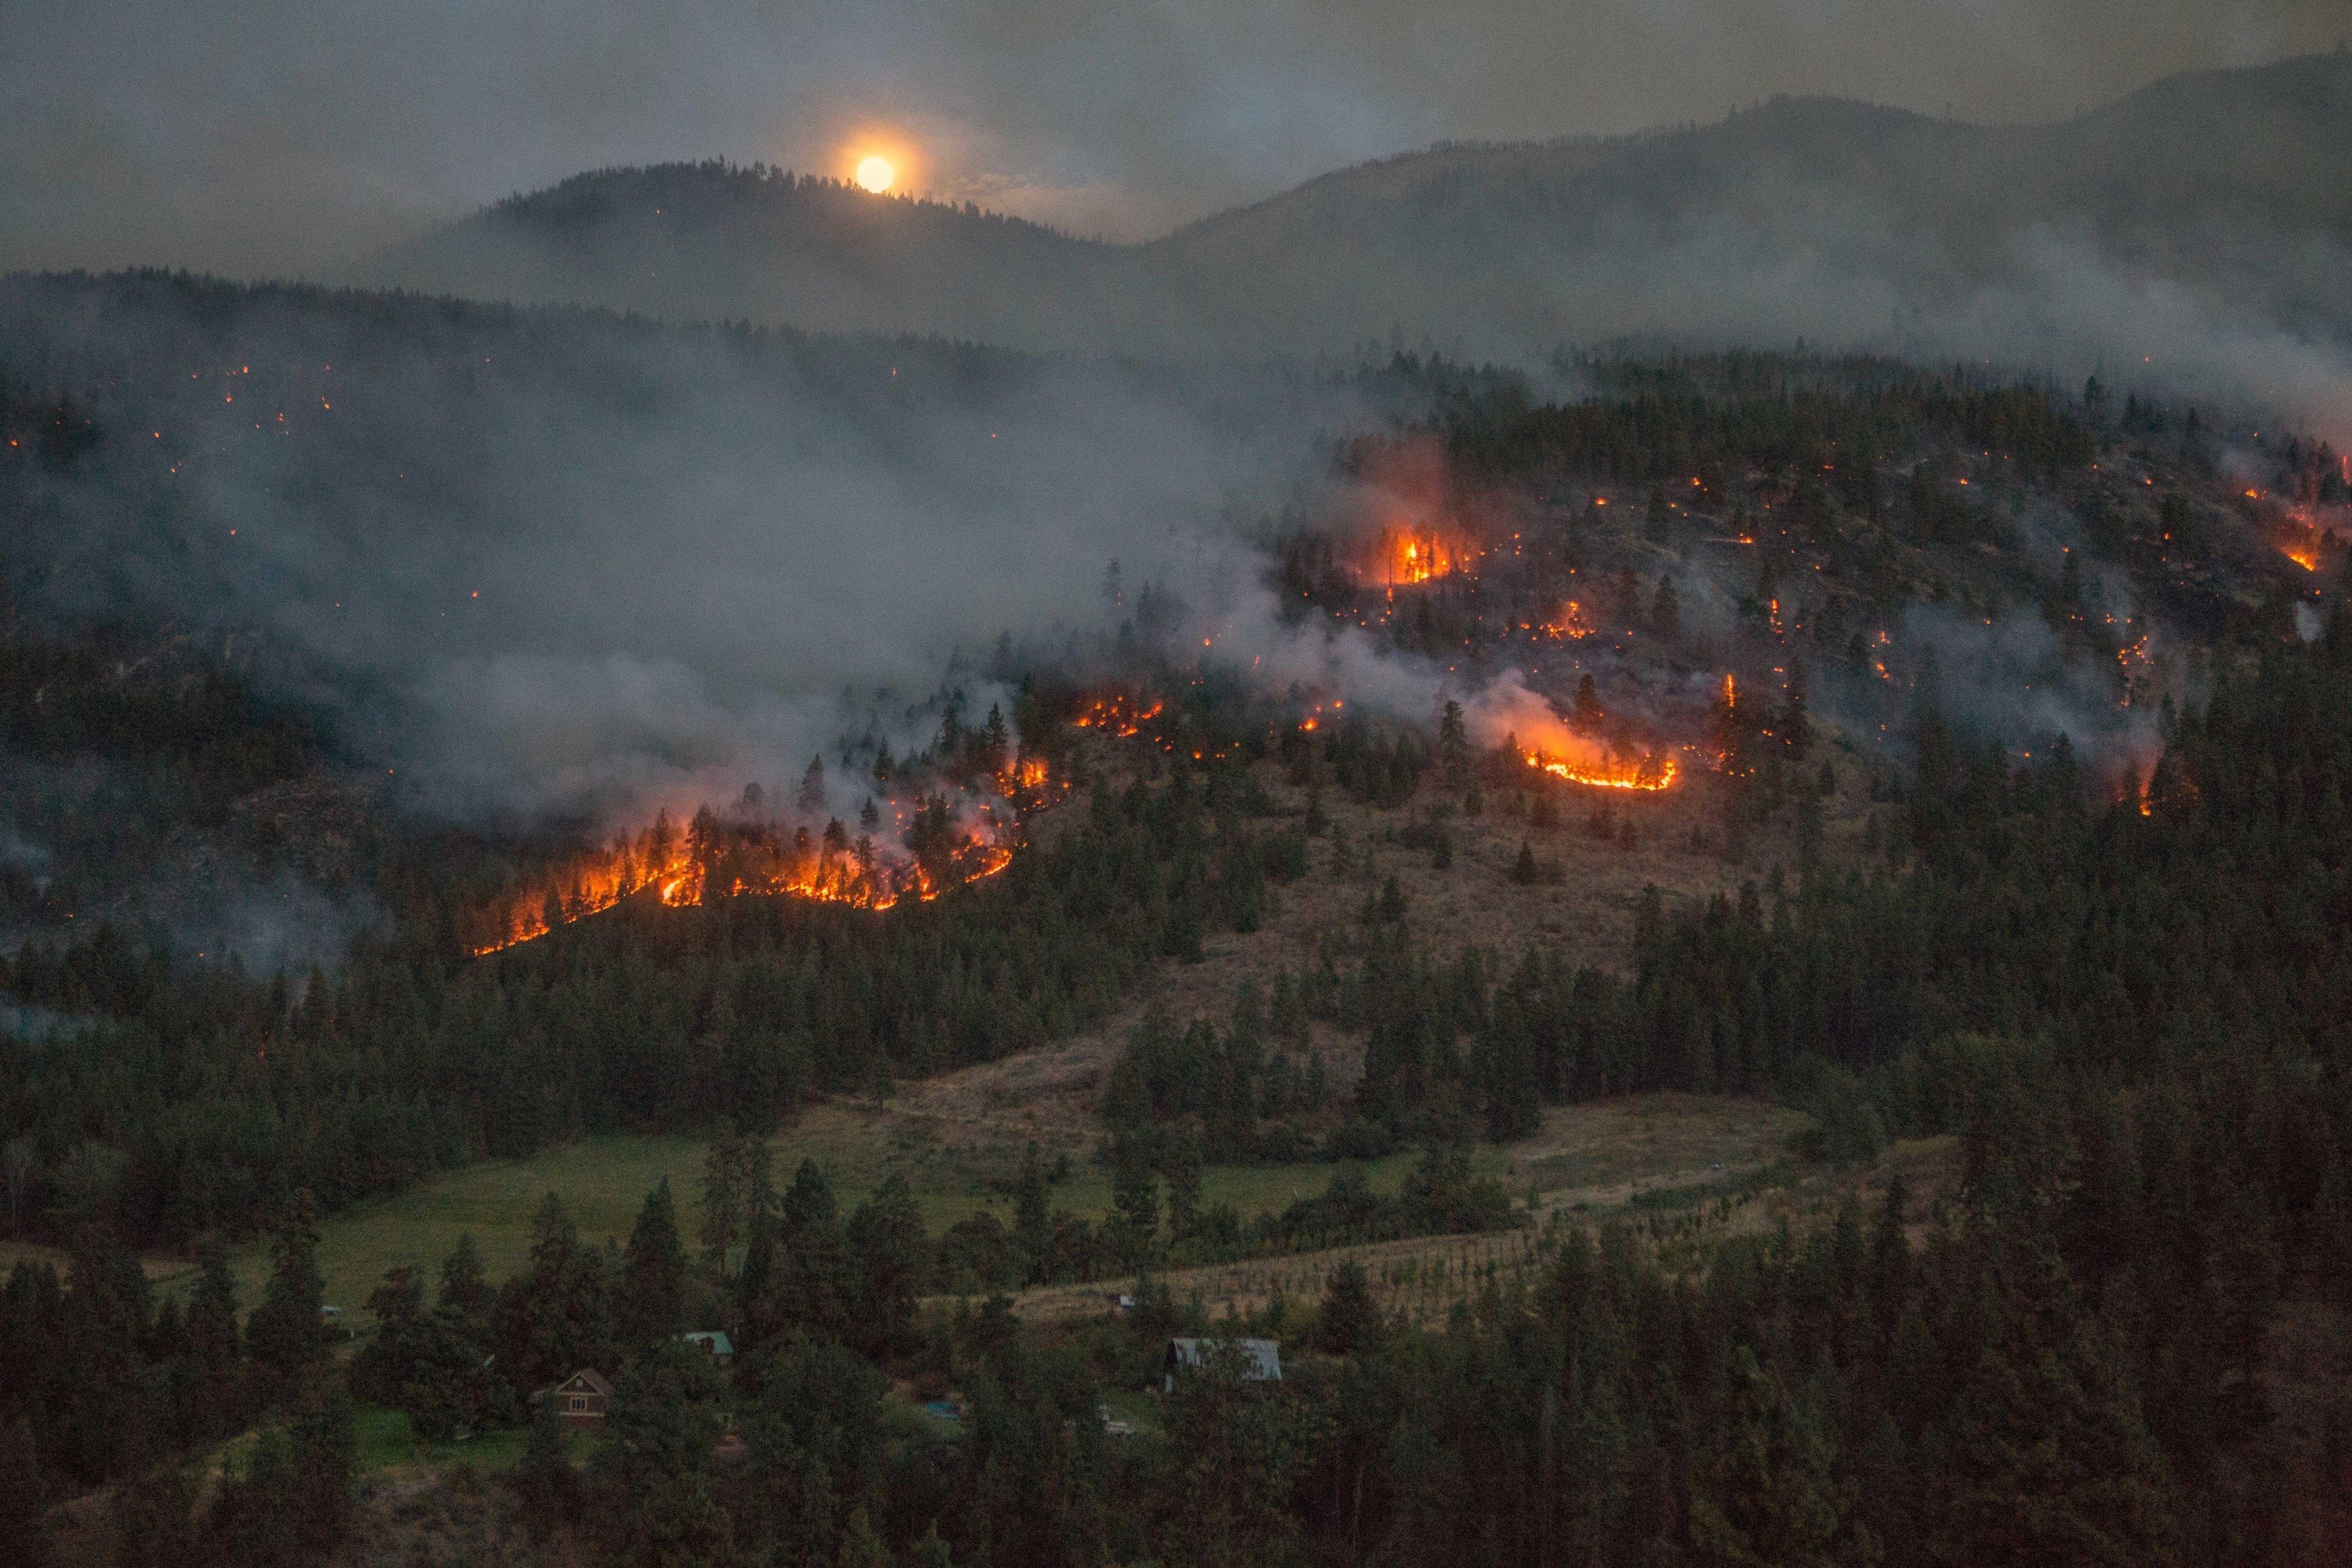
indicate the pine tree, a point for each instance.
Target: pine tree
{"x":286,"y":1332}
{"x":465,"y":1294}
{"x":387,"y":1366}
{"x":886,"y":1243}
{"x":1135,"y":1203}
{"x":1033,"y":1218}
{"x":653,"y":1274}
{"x":1347,"y":1323}
{"x":555,"y":1318}
{"x":1183,"y":1167}
{"x":212,"y":1328}
{"x":1586,"y":715}
{"x":1453,"y":743}
{"x":814,"y":1290}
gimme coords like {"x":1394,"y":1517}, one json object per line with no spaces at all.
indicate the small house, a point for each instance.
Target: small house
{"x":712,"y":1342}
{"x":584,"y":1398}
{"x":1260,"y":1360}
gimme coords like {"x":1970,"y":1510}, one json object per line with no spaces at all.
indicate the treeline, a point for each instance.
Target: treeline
{"x":1670,"y":421}
{"x":1158,"y":1220}
{"x":1850,"y":486}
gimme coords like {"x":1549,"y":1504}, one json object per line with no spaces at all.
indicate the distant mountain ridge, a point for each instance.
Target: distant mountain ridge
{"x":1802,"y":215}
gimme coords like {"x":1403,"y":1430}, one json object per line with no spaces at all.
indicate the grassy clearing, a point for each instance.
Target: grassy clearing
{"x":602,"y":1181}
{"x":1648,"y":1137}
{"x":1138,"y":1409}
{"x":386,"y":1443}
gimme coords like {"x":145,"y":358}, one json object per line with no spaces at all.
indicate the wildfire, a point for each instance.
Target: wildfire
{"x":943,"y":847}
{"x":2306,"y":559}
{"x":1569,"y":624}
{"x":1407,"y":556}
{"x":1314,"y":719}
{"x":1117,"y":713}
{"x":1647,"y":771}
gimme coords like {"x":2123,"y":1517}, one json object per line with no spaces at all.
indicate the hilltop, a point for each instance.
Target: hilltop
{"x":1817,"y":217}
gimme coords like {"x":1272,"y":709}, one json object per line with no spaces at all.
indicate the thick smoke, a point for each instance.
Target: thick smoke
{"x":673,"y":565}
{"x":2009,"y":680}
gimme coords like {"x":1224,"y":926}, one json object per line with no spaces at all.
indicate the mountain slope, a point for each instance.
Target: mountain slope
{"x":713,"y":241}
{"x":1803,"y":216}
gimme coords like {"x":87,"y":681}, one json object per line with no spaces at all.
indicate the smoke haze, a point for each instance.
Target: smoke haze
{"x":270,"y":137}
{"x":566,"y":564}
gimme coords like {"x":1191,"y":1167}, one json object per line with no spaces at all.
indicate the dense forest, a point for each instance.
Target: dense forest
{"x":2062,"y":1367}
{"x":2118,"y":984}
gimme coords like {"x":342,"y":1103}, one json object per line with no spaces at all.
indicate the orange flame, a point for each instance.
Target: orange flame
{"x":711,"y":859}
{"x":1648,"y":772}
{"x":1406,"y":556}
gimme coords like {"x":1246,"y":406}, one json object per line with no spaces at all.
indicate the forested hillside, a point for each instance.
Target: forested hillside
{"x":2010,"y":720}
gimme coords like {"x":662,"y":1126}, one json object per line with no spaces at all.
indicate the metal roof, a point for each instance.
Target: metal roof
{"x":1262,"y":1358}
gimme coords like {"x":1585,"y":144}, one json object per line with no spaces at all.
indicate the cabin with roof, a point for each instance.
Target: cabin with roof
{"x":585,"y":1398}
{"x":712,"y":1342}
{"x":1258,"y":1361}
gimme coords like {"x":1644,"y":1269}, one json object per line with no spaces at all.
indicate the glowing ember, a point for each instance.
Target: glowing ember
{"x":1117,"y":713}
{"x":1569,"y":624}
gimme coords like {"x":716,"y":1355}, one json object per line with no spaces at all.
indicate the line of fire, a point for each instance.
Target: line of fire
{"x":1568,"y":598}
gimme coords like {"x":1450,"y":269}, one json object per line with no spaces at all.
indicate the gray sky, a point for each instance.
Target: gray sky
{"x":265,"y":136}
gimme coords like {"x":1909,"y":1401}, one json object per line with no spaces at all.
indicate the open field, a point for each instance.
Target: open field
{"x":602,"y":1181}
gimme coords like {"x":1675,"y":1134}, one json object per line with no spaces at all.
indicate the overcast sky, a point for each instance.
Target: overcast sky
{"x":267,"y":136}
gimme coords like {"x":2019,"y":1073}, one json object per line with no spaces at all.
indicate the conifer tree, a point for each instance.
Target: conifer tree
{"x":653,"y":1274}
{"x":287,"y":1331}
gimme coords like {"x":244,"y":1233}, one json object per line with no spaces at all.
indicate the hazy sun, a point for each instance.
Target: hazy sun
{"x":876,"y":173}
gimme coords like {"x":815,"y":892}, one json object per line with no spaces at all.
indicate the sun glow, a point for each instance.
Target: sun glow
{"x":876,"y":173}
